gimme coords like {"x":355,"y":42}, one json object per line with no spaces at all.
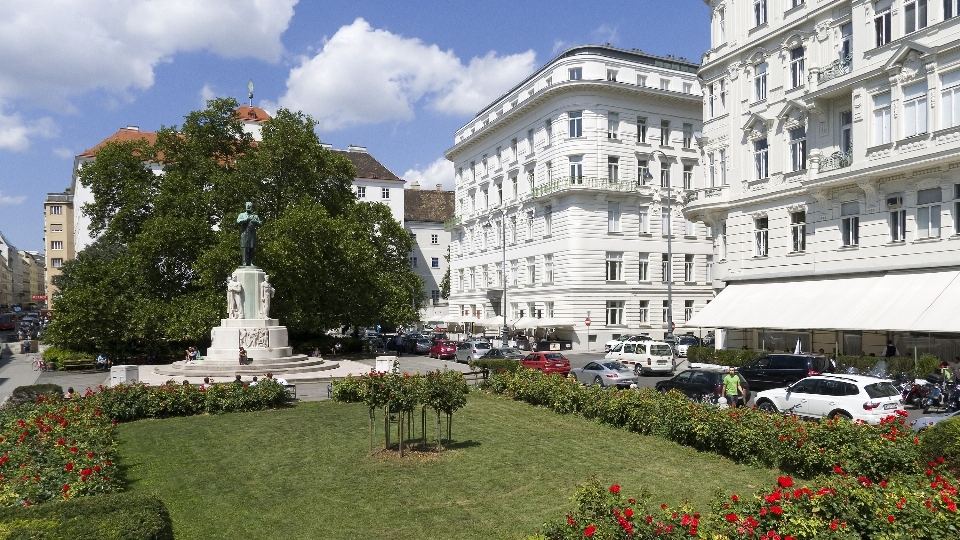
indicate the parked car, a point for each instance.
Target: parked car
{"x":444,"y":349}
{"x":608,"y":346}
{"x":854,"y":397}
{"x":468,"y":351}
{"x":685,"y":342}
{"x":927,"y":422}
{"x":698,"y":384}
{"x":709,"y":339}
{"x":420,"y":346}
{"x":644,"y":356}
{"x":779,"y":370}
{"x":547,"y":362}
{"x":607,"y":373}
{"x":506,"y":353}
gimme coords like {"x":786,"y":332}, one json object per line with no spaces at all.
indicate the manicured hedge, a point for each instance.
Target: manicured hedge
{"x":723,"y":357}
{"x":58,"y":356}
{"x":943,"y":441}
{"x":30,"y":393}
{"x":925,"y":364}
{"x":119,"y":516}
{"x":495,"y":365}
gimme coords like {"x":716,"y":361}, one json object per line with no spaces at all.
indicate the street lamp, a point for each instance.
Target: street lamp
{"x":669,"y":277}
{"x":503,"y":273}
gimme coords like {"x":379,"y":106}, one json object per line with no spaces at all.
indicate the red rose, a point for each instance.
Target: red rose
{"x":589,"y":531}
{"x":731,"y":517}
{"x":615,"y":488}
{"x":628,"y":512}
{"x":785,"y":481}
{"x":776,"y":510}
{"x":734,"y":497}
{"x":69,"y":466}
{"x":891,"y":519}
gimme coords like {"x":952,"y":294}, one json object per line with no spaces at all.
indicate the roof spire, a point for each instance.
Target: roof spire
{"x":250,"y":91}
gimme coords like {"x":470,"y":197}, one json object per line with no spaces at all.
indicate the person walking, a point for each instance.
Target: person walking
{"x":399,"y":342}
{"x":890,"y":350}
{"x":732,"y":388}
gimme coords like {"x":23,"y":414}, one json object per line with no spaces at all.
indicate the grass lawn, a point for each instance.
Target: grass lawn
{"x":305,"y":473}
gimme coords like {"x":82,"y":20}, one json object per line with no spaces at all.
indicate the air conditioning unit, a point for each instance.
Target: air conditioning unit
{"x":894,"y":201}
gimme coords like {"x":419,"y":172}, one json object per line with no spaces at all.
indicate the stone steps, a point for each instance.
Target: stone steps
{"x":278,"y":366}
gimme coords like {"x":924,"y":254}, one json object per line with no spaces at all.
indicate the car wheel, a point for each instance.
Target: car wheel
{"x":598,"y":380}
{"x":767,"y":407}
{"x":841,"y":414}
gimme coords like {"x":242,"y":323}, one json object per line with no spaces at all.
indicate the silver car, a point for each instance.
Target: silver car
{"x":468,"y":351}
{"x":928,"y":422}
{"x":608,"y":373}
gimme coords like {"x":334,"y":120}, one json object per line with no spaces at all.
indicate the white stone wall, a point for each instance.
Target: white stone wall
{"x":425,"y":251}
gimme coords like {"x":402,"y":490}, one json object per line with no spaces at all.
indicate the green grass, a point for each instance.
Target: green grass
{"x":305,"y":473}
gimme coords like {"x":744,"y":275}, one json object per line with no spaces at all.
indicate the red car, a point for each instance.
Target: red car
{"x":444,"y":349}
{"x":547,"y":362}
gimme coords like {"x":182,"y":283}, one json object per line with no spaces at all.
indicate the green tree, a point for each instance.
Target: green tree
{"x":445,"y":282}
{"x":168,"y":242}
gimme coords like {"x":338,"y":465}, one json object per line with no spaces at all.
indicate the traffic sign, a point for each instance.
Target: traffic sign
{"x":587,"y":321}
{"x":39,"y":297}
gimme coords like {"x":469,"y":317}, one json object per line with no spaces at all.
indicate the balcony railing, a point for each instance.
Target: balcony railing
{"x":837,"y":160}
{"x":59,"y":197}
{"x":585,"y":183}
{"x":705,"y":193}
{"x":837,"y":68}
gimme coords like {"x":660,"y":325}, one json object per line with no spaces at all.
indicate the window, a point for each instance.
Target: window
{"x":548,"y":269}
{"x":435,"y":296}
{"x":850,"y":224}
{"x":796,"y":3}
{"x":644,"y":311}
{"x":384,"y":193}
{"x":761,"y":237}
{"x":665,"y":133}
{"x":613,"y":125}
{"x":612,"y":75}
{"x":723,"y":166}
{"x":688,"y":228}
{"x":576,"y":169}
{"x":413,"y":262}
{"x":712,"y":169}
{"x":514,"y":272}
{"x":529,"y":141}
{"x":56,"y":263}
{"x":531,"y":270}
{"x":915,"y":109}
{"x":549,"y":171}
{"x":928,"y":212}
{"x":575,"y":73}
{"x":664,"y":174}
{"x":914,"y":16}
{"x":688,"y":307}
{"x":956,"y":209}
{"x":414,"y":237}
{"x":723,"y":96}
{"x":688,"y":177}
{"x":846,"y":131}
{"x":760,"y":82}
{"x":516,"y":188}
{"x":644,"y":274}
{"x":513,"y":229}
{"x":530,"y":225}
{"x":576,"y":123}
{"x":881,"y":118}
{"x":56,"y":227}
{"x":721,"y":25}
{"x":500,"y":193}
{"x":898,"y":225}
{"x":642,"y":172}
{"x":950,"y":104}
{"x":759,"y":12}
{"x":881,"y":27}
{"x":687,"y":88}
{"x":642,"y":129}
{"x":434,"y":262}
{"x":798,"y":148}
{"x":614,"y":266}
{"x":361,"y":192}
{"x":687,"y":135}
{"x":664,"y":84}
{"x":641,"y":80}
{"x":709,"y":269}
{"x":513,"y":149}
{"x":56,"y":210}
{"x":547,"y":220}
{"x":613,"y":217}
{"x":548,"y":130}
{"x":665,"y":228}
{"x":722,"y":240}
{"x":56,"y":244}
{"x":796,"y":67}
{"x":711,"y":102}
{"x":665,"y":312}
{"x":798,"y":231}
{"x":644,"y":219}
{"x":665,"y":268}
{"x":615,"y":312}
{"x":613,"y":168}
{"x":761,"y":159}
{"x":484,"y":166}
{"x":688,"y":269}
{"x":548,"y":309}
{"x":951,"y":8}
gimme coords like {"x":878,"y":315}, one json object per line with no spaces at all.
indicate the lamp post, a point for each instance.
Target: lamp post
{"x":669,"y":277}
{"x":503,"y":274}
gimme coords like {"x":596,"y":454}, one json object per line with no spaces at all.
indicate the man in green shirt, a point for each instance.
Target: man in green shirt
{"x":731,"y":387}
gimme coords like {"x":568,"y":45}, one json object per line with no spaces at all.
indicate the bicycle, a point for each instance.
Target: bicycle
{"x":39,"y":364}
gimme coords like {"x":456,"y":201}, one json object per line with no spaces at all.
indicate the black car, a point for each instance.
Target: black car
{"x":507,"y":353}
{"x":697,"y":383}
{"x":779,"y":370}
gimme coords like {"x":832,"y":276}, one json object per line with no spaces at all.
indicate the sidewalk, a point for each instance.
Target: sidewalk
{"x":16,"y":370}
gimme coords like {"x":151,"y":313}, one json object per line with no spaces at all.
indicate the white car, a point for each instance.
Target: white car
{"x":685,"y":342}
{"x":644,"y":356}
{"x":854,"y":397}
{"x":608,"y":346}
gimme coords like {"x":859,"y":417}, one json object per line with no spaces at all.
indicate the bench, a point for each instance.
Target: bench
{"x":84,"y":363}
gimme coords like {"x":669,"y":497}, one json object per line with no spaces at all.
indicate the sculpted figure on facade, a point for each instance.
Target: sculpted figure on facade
{"x":234,"y":300}
{"x":266,"y":294}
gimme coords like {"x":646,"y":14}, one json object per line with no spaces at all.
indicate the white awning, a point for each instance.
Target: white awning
{"x":490,"y":322}
{"x":524,"y":323}
{"x":919,"y":302}
{"x":552,"y":322}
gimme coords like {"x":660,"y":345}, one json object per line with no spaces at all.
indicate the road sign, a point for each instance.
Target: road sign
{"x":587,"y":321}
{"x":39,"y":297}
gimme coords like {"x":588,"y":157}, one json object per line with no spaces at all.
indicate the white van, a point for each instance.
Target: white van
{"x":645,"y":356}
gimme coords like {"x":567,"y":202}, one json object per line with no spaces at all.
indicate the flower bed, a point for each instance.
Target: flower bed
{"x":743,"y":435}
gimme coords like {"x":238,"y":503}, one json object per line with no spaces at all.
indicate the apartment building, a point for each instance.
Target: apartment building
{"x":425,"y":211}
{"x":568,"y":201}
{"x":58,"y":237}
{"x":832,"y":177}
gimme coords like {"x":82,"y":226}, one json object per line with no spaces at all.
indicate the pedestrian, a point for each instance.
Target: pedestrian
{"x":946,"y":372}
{"x":206,"y":383}
{"x":399,"y":342}
{"x":254,"y":383}
{"x":69,"y":393}
{"x":238,"y":381}
{"x":243,"y":357}
{"x":731,"y":387}
{"x":890,"y":350}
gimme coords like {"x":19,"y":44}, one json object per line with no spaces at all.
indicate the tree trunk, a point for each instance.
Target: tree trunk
{"x":439,"y":440}
{"x":400,"y":431}
{"x":386,"y":427}
{"x":423,"y":424}
{"x":449,"y":432}
{"x":372,"y":414}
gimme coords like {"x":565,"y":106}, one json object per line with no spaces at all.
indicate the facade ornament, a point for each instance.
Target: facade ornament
{"x":758,"y":214}
{"x":234,"y":299}
{"x":266,"y":294}
{"x":911,"y":68}
{"x":823,"y":30}
{"x":733,"y":70}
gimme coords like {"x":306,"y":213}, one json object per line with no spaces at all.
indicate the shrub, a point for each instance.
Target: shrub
{"x":496,"y":365}
{"x":119,"y":516}
{"x":58,"y":355}
{"x":926,"y":363}
{"x":723,"y":357}
{"x":943,"y":441}
{"x":125,"y":403}
{"x":30,"y":393}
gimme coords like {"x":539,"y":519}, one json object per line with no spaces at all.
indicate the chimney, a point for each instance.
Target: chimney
{"x":326,"y":146}
{"x":355,"y":148}
{"x":415,"y":185}
{"x":439,"y":187}
{"x":133,"y":128}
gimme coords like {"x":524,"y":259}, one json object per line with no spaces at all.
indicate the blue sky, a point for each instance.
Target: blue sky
{"x":396,"y":77}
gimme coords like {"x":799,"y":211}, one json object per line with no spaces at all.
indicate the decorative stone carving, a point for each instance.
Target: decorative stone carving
{"x":255,"y":338}
{"x":913,"y":145}
{"x":823,"y":30}
{"x":911,"y":68}
{"x":733,"y":70}
{"x":266,"y":294}
{"x":857,"y":106}
{"x":234,"y":299}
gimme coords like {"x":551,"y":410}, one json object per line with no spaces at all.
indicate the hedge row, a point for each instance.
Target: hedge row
{"x":743,"y":435}
{"x":496,"y":365}
{"x":57,"y":355}
{"x":925,"y":364}
{"x":118,"y":516}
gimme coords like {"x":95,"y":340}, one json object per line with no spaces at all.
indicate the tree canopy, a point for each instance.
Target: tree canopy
{"x":167,"y":239}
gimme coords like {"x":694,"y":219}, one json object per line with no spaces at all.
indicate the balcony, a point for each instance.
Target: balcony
{"x":837,"y":160}
{"x":574,"y":183}
{"x":59,"y":197}
{"x":699,"y":194}
{"x":837,"y":68}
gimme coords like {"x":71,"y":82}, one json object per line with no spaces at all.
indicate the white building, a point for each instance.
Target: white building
{"x":835,"y":193}
{"x":556,"y":166}
{"x":374,"y":182}
{"x":425,"y":212}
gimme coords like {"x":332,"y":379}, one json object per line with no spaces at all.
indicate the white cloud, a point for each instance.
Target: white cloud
{"x":605,"y":34}
{"x":558,"y":45}
{"x":15,"y":132}
{"x":206,"y":93}
{"x":364,"y":75}
{"x":438,"y":172}
{"x":9,"y":200}
{"x":64,"y":152}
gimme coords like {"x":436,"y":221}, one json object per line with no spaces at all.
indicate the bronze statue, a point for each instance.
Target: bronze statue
{"x":248,"y":223}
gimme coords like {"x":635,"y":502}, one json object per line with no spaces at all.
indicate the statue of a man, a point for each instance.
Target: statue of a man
{"x":234,"y":301}
{"x":248,"y":223}
{"x":266,"y":293}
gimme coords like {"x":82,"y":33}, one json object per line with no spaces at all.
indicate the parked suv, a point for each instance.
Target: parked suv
{"x":854,"y":397}
{"x":779,"y":370}
{"x":468,"y":351}
{"x":644,"y":356}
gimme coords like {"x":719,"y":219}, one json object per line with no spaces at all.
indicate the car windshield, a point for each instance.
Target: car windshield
{"x":554,"y":356}
{"x":881,"y":389}
{"x":659,"y":350}
{"x":617,"y":348}
{"x":423,"y":341}
{"x":615,"y":366}
{"x":687,"y":341}
{"x":481,"y":345}
{"x":511,"y":352}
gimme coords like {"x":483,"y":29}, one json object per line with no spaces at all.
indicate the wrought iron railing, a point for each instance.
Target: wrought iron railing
{"x":837,"y":160}
{"x":705,"y":193}
{"x":569,"y":183}
{"x":837,"y":68}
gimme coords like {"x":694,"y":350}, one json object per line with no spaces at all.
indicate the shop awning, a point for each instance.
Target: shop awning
{"x":490,"y":322}
{"x":524,"y":323}
{"x":908,"y":302}
{"x":552,"y":322}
